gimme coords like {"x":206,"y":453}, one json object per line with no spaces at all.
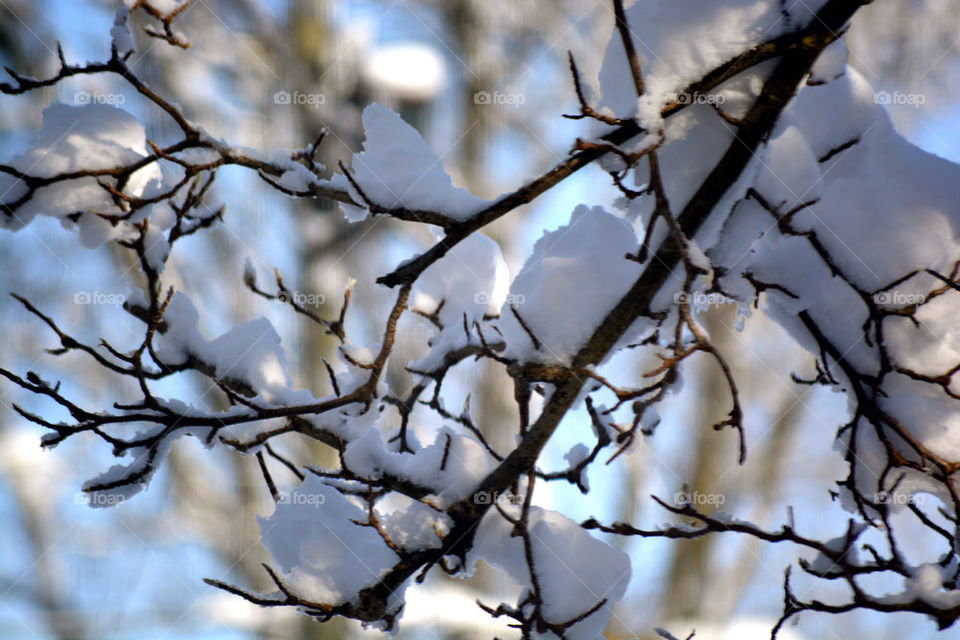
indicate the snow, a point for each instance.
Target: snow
{"x":932,"y":344}
{"x":156,"y":248}
{"x":448,"y":609}
{"x":926,"y":584}
{"x":831,"y":64}
{"x":295,"y":177}
{"x":878,"y":207}
{"x":677,"y":43}
{"x":471,"y":280}
{"x":886,"y":209}
{"x":408,"y":71}
{"x":739,"y":628}
{"x":819,"y":104}
{"x":414,"y":525}
{"x":575,"y":570}
{"x":577,"y":454}
{"x":467,"y":461}
{"x":824,"y":564}
{"x":122,"y":39}
{"x":250,"y":353}
{"x":698,"y":139}
{"x":76,"y":138}
{"x":353,"y":375}
{"x":249,"y":273}
{"x":910,"y":198}
{"x":397,"y":169}
{"x":319,"y":549}
{"x":568,"y":285}
{"x":165,"y":7}
{"x":144,"y":464}
{"x":789,"y":175}
{"x":931,"y":414}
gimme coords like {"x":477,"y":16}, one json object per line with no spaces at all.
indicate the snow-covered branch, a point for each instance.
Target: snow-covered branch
{"x":731,"y":185}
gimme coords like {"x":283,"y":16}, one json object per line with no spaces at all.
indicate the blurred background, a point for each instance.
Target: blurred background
{"x":271,"y":75}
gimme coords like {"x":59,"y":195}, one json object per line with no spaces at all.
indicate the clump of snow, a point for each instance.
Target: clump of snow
{"x":448,"y":610}
{"x":141,"y":468}
{"x":296,"y":176}
{"x":164,"y":7}
{"x":452,"y":465}
{"x":932,"y":415}
{"x":847,"y":104}
{"x":677,"y":43}
{"x":397,"y":169}
{"x":122,"y":39}
{"x":470,"y":281}
{"x":823,"y":563}
{"x":414,"y":525}
{"x":156,"y":248}
{"x":926,"y":584}
{"x":931,"y":345}
{"x":577,"y":454}
{"x":696,"y":140}
{"x":880,"y":209}
{"x":78,"y":138}
{"x":250,"y":353}
{"x":568,"y":285}
{"x":789,"y":174}
{"x":320,"y":550}
{"x":831,"y":64}
{"x":575,"y":570}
